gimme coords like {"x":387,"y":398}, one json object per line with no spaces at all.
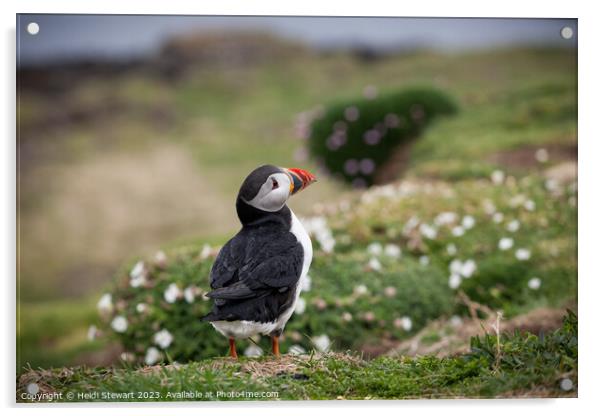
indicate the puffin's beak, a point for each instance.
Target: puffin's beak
{"x":300,"y":179}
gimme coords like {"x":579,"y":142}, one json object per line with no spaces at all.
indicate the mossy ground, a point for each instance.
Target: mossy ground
{"x":518,"y":365}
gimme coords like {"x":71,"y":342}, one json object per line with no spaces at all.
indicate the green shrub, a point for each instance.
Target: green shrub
{"x":347,"y":306}
{"x":354,"y":139}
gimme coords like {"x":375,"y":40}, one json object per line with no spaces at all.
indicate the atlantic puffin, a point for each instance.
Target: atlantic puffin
{"x":256,"y":278}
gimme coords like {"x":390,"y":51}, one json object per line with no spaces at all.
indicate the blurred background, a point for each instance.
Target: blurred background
{"x":135,"y":132}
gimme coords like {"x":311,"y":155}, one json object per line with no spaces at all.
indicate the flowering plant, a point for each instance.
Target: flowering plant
{"x":353,"y":140}
{"x":384,"y":265}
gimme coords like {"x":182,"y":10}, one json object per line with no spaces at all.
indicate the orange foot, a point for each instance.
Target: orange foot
{"x":233,"y":349}
{"x":275,"y":346}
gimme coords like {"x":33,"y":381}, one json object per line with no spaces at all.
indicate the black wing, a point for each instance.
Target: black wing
{"x":255,"y":274}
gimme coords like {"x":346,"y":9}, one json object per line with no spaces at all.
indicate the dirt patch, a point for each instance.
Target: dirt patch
{"x":103,"y":358}
{"x":374,"y":350}
{"x":396,"y":164}
{"x":525,"y":157}
{"x":563,"y":173}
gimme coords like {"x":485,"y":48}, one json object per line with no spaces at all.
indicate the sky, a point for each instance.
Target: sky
{"x":74,"y":37}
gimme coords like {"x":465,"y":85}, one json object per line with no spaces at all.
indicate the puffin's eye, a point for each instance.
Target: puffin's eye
{"x":274,"y":183}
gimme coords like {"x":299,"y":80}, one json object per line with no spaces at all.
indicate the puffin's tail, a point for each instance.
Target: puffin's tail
{"x":210,"y":317}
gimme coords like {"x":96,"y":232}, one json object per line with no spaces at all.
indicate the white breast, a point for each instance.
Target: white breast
{"x":246,"y":329}
{"x":302,"y":236}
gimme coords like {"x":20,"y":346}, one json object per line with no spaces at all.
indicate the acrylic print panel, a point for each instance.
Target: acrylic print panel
{"x":173,"y":244}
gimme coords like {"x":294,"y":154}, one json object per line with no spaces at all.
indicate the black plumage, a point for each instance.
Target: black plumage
{"x":255,"y":274}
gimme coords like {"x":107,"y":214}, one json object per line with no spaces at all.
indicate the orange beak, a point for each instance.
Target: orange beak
{"x":300,"y":179}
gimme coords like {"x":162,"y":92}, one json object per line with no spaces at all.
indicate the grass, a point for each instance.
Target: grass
{"x":524,"y":365}
{"x":54,"y":333}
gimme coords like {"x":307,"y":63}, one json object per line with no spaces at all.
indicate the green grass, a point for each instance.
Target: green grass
{"x":54,"y":334}
{"x":523,"y":365}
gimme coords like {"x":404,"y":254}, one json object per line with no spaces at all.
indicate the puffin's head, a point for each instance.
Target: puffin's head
{"x":268,"y":187}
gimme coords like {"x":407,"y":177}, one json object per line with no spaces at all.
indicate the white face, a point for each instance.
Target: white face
{"x":273,"y":194}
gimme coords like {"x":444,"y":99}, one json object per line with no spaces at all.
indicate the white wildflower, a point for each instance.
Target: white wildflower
{"x":322,"y":342}
{"x":141,"y":307}
{"x":468,"y":222}
{"x":296,"y":350}
{"x":127,"y":357}
{"x":529,"y":205}
{"x":451,"y":249}
{"x":552,"y":185}
{"x":454,"y":280}
{"x":306,"y":283}
{"x":360,"y":290}
{"x":205,"y":251}
{"x":138,"y":281}
{"x":160,"y":257}
{"x":428,"y":231}
{"x":375,"y":249}
{"x":327,"y":244}
{"x":92,"y":332}
{"x":390,"y":291}
{"x":300,"y":306}
{"x":172,"y":293}
{"x":163,"y":338}
{"x":455,"y":321}
{"x":505,"y":243}
{"x":347,"y":317}
{"x":498,"y":217}
{"x":410,"y":225}
{"x":489,"y":207}
{"x":152,"y":356}
{"x":513,"y":226}
{"x":542,"y":155}
{"x":458,"y":231}
{"x":455,"y":266}
{"x":523,"y":254}
{"x":119,"y":324}
{"x":105,"y":303}
{"x":189,"y":294}
{"x":534,"y":283}
{"x":497,"y":177}
{"x":406,"y":323}
{"x":253,"y":351}
{"x":137,"y":270}
{"x":468,"y":268}
{"x":393,"y":250}
{"x":424,"y":260}
{"x":317,"y":227}
{"x":446,"y":218}
{"x":375,"y":265}
{"x":517,"y":200}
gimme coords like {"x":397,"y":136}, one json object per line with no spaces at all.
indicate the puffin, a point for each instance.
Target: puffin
{"x":256,"y":278}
